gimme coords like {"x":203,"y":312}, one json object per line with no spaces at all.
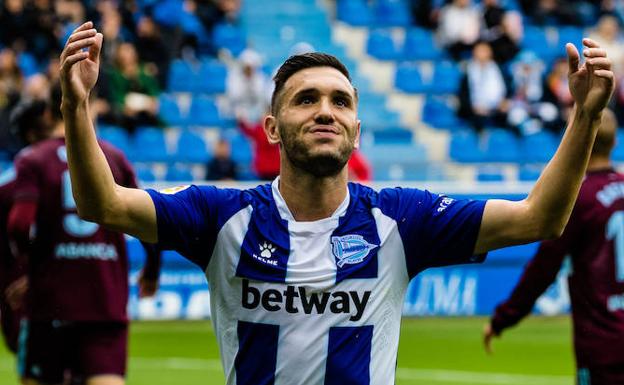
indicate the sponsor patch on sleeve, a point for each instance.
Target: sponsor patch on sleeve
{"x":174,"y":190}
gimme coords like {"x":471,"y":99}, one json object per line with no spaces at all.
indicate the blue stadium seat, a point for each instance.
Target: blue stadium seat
{"x":204,"y":112}
{"x":536,"y":40}
{"x":182,"y":77}
{"x":408,"y":79}
{"x":242,"y":151}
{"x":391,"y":13}
{"x":178,"y":173}
{"x":211,"y":77}
{"x":381,"y":45}
{"x":529,"y":173}
{"x":150,"y":145}
{"x":419,"y":45}
{"x":490,"y":174}
{"x":354,"y":12}
{"x":439,"y":114}
{"x":116,"y":136}
{"x":377,"y":118}
{"x":27,"y":63}
{"x":393,"y":136}
{"x":446,"y":78}
{"x":169,"y":110}
{"x":464,"y":147}
{"x":145,"y":174}
{"x":191,"y":148}
{"x":501,"y":146}
{"x":539,"y":147}
{"x":569,"y":34}
{"x":230,"y":37}
{"x":618,"y":151}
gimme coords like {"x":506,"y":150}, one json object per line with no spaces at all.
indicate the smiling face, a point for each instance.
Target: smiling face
{"x":315,"y":121}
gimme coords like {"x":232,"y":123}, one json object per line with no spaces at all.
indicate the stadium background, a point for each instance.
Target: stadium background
{"x":412,"y":135}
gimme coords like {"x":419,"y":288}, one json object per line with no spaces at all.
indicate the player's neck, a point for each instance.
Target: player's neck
{"x":58,"y":131}
{"x":310,"y":198}
{"x":597,"y":163}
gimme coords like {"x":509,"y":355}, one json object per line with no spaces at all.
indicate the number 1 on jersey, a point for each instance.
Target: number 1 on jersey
{"x":615,"y":230}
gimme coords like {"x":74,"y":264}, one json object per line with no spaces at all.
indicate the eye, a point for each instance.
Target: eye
{"x":341,"y":102}
{"x":306,"y":99}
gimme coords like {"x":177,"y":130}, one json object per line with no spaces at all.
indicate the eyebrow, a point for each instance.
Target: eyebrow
{"x":311,"y":91}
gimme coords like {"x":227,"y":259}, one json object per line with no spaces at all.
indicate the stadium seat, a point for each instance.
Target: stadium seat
{"x":419,"y":45}
{"x":393,"y":136}
{"x":182,"y":77}
{"x":354,"y":12}
{"x":501,"y":146}
{"x":446,"y":78}
{"x":378,"y":118}
{"x":211,"y":77}
{"x":408,"y":79}
{"x":391,"y":13}
{"x":204,"y":112}
{"x":191,"y":147}
{"x":490,"y":174}
{"x":569,"y":34}
{"x":145,"y":174}
{"x":536,"y":40}
{"x":539,"y":147}
{"x":178,"y":173}
{"x":230,"y":37}
{"x":116,"y":136}
{"x":618,"y":151}
{"x":439,"y":114}
{"x":381,"y":45}
{"x":169,"y":110}
{"x":242,"y":151}
{"x":150,"y":145}
{"x":464,"y":147}
{"x":529,"y":173}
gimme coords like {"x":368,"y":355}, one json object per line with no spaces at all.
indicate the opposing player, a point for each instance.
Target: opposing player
{"x":76,"y":326}
{"x":594,"y":240}
{"x":308,"y":273}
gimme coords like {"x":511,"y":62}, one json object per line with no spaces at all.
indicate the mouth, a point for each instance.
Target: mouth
{"x":324,"y":129}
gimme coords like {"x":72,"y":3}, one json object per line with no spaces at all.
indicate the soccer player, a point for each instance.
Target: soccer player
{"x":308,"y":273}
{"x":594,"y":241}
{"x":75,"y":329}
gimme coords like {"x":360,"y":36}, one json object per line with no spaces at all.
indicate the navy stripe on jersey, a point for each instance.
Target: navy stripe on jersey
{"x":349,"y":355}
{"x":265,"y":249}
{"x":189,"y":220}
{"x":256,"y":359}
{"x":436,"y":230}
{"x":355,"y":242}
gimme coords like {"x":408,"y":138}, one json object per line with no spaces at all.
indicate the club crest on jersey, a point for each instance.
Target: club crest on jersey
{"x":176,"y":189}
{"x":350,"y":249}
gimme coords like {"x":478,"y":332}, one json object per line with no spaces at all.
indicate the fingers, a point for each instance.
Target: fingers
{"x":573,"y":58}
{"x":85,"y":25}
{"x":589,"y":43}
{"x":94,"y":50}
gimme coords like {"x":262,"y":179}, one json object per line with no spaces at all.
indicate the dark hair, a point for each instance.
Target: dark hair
{"x":27,"y":115}
{"x":297,"y":63}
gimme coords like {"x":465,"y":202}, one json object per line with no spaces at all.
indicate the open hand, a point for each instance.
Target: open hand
{"x":593,"y":82}
{"x":80,"y":62}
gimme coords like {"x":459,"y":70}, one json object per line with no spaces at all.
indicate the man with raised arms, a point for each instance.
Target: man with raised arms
{"x":308,"y":273}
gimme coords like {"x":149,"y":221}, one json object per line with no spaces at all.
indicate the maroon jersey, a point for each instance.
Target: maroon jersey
{"x":594,"y":239}
{"x":78,"y":270}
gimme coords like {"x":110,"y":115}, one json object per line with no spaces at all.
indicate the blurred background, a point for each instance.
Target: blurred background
{"x":467,"y":98}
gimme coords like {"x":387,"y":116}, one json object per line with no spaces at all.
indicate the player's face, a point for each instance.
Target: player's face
{"x":317,"y":122}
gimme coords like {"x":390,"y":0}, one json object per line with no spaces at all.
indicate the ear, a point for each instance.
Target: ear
{"x":270,"y":129}
{"x":357,"y":134}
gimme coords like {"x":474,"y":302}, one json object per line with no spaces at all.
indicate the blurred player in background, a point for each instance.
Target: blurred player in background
{"x":308,"y":274}
{"x":27,"y":123}
{"x":594,"y":240}
{"x":75,"y":329}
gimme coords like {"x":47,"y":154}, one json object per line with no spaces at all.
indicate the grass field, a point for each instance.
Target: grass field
{"x":433,"y":351}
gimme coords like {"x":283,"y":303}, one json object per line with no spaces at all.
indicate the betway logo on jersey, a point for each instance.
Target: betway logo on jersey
{"x":295,"y":299}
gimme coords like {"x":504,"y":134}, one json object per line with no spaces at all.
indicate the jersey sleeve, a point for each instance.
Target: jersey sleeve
{"x":436,"y":230}
{"x":190,"y":218}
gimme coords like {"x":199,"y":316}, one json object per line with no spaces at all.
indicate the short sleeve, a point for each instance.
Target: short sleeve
{"x":190,"y":217}
{"x":436,"y":230}
{"x":27,"y":186}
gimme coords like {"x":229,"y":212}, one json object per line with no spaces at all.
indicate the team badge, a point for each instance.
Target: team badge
{"x":176,"y":189}
{"x":350,"y":249}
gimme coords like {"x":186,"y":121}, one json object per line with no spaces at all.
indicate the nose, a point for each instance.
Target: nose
{"x":324,"y":115}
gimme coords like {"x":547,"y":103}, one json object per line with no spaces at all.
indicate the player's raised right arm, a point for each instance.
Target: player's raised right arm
{"x":98,"y":198}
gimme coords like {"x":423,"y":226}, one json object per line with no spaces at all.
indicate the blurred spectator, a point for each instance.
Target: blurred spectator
{"x":483,"y":90}
{"x":552,"y":12}
{"x":111,"y":28}
{"x":11,"y":83}
{"x":152,"y":50}
{"x":607,"y":34}
{"x":458,"y":28}
{"x":36,"y":87}
{"x":425,"y":12}
{"x":266,"y":156}
{"x":359,"y":168}
{"x":502,"y":30}
{"x":221,"y":166}
{"x":43,"y":30}
{"x":132,"y":91}
{"x":14,"y":24}
{"x":528,"y":113}
{"x":556,"y":90}
{"x":247,"y":87}
{"x":212,"y":12}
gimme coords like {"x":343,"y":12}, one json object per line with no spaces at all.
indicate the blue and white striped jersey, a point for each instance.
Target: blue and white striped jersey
{"x":313,"y":303}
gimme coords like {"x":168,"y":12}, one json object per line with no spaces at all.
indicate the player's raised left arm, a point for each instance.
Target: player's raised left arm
{"x":546,"y":210}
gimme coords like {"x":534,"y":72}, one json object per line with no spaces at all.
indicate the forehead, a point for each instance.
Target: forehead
{"x":324,"y":79}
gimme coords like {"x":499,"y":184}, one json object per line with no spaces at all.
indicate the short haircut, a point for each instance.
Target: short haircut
{"x":28,"y":115}
{"x":297,"y":63}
